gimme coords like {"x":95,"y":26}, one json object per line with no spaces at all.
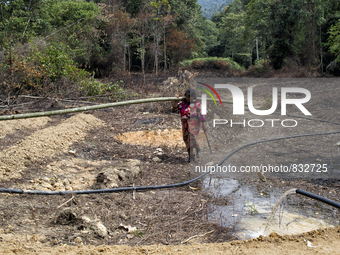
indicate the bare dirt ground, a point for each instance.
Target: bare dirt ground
{"x":324,"y":242}
{"x":88,"y":151}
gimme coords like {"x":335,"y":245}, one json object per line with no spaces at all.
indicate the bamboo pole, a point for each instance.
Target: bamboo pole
{"x":93,"y":107}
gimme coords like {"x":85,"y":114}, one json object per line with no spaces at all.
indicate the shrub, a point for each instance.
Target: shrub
{"x":92,"y":87}
{"x":18,"y":74}
{"x":212,"y":62}
{"x":197,"y":64}
{"x":57,"y":62}
{"x":48,"y":69}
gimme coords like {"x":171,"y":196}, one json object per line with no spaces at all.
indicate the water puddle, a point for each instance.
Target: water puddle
{"x":248,"y":208}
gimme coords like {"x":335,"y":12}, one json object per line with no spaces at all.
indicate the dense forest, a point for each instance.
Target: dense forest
{"x":48,"y":40}
{"x":302,"y":31}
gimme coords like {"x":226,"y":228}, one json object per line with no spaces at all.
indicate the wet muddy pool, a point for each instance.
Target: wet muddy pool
{"x":248,"y":209}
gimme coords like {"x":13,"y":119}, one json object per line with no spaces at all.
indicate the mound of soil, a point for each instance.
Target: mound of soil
{"x":44,"y":143}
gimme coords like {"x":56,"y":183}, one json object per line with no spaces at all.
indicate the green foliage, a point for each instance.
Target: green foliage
{"x":257,"y":19}
{"x":186,"y":14}
{"x":66,"y":12}
{"x":283,"y":17}
{"x":334,"y":39}
{"x":158,"y":4}
{"x":68,"y":21}
{"x":30,"y":70}
{"x":252,"y":209}
{"x":76,"y":24}
{"x":138,"y":233}
{"x":93,"y":87}
{"x":259,"y":68}
{"x":289,"y":28}
{"x":102,"y":36}
{"x":215,"y":62}
{"x":22,"y":20}
{"x":231,"y":24}
{"x":57,"y":63}
{"x":207,"y":36}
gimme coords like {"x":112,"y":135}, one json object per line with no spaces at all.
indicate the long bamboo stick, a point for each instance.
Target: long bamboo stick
{"x":90,"y":108}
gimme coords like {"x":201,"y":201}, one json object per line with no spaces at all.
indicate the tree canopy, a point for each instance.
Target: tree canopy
{"x":149,"y":35}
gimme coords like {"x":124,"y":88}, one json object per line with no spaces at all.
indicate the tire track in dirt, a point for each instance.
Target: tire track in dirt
{"x":47,"y":142}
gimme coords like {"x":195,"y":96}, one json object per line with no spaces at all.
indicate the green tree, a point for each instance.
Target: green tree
{"x":334,"y":40}
{"x":232,"y":27}
{"x":69,"y":21}
{"x":74,"y":23}
{"x":257,"y":22}
{"x":284,"y":18}
{"x":209,"y":36}
{"x":159,"y":8}
{"x":22,"y":20}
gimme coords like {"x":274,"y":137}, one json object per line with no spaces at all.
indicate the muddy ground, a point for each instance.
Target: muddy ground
{"x":88,"y":151}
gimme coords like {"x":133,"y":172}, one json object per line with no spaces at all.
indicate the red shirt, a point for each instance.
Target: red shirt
{"x":190,"y":110}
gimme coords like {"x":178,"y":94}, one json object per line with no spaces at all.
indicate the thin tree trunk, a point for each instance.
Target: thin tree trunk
{"x":313,"y":36}
{"x":23,"y":34}
{"x":264,"y":50}
{"x":232,"y":58}
{"x":321,"y":53}
{"x":143,"y":57}
{"x":129,"y":54}
{"x":165,"y":66}
{"x":257,"y":50}
{"x":156,"y":55}
{"x":124,"y":57}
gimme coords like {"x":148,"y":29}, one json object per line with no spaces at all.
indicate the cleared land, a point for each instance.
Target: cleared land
{"x":82,"y":151}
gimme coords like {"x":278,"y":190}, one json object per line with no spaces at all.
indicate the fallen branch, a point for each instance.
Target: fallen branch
{"x":17,"y":105}
{"x":65,"y":202}
{"x":57,"y":99}
{"x":196,"y":236}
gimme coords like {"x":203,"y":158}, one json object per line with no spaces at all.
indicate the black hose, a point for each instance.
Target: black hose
{"x":82,"y":192}
{"x":95,"y":191}
{"x":12,"y":191}
{"x":319,"y":198}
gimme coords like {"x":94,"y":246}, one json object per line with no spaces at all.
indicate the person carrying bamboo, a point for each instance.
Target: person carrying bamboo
{"x":192,"y":120}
